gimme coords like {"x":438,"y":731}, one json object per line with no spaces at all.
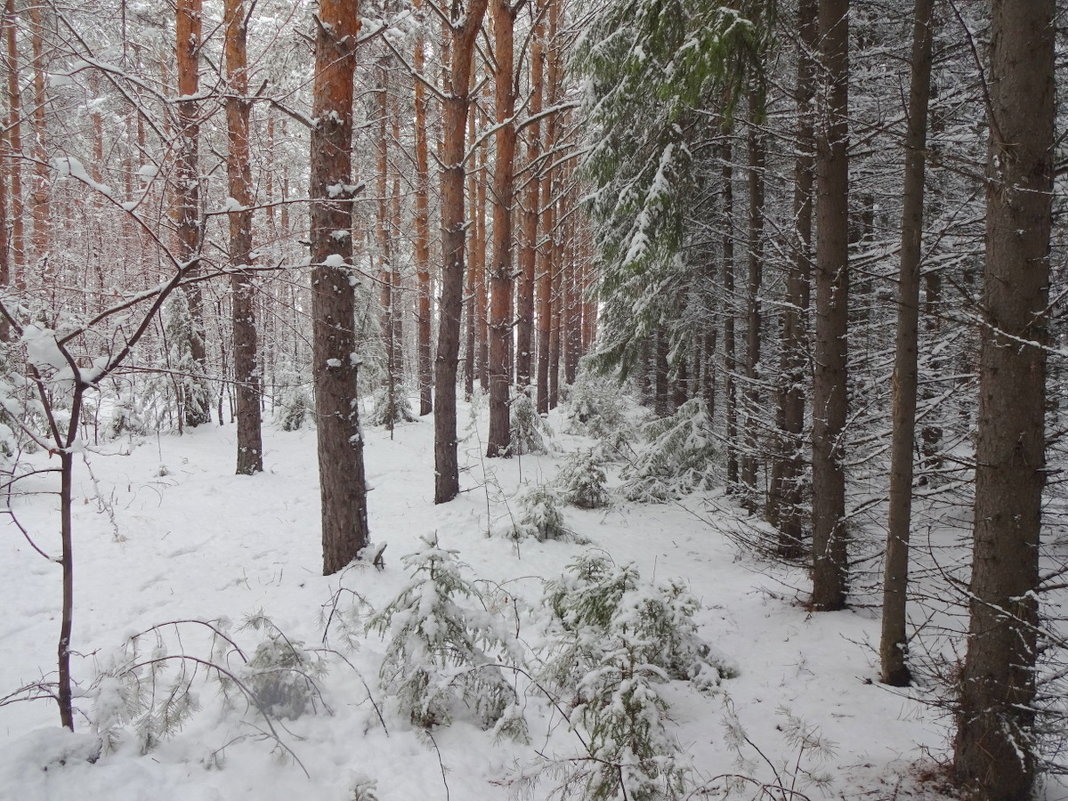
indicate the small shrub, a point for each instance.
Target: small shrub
{"x":582,"y":481}
{"x":296,"y":406}
{"x":282,"y":676}
{"x":441,"y":658}
{"x":390,"y":407}
{"x":540,"y":516}
{"x":617,"y":640}
{"x":678,"y":458}
{"x":529,"y":433}
{"x":598,"y":409}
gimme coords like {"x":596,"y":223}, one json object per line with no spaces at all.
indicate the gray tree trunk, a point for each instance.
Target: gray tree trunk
{"x":894,"y":642}
{"x":994,"y":757}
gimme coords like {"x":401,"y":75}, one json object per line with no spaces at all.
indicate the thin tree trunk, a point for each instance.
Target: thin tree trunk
{"x":753,"y":419}
{"x":893,"y":646}
{"x":188,"y":27}
{"x":730,"y":362}
{"x":422,"y":230}
{"x":785,"y":498}
{"x":528,"y":243}
{"x":995,"y":755}
{"x":830,"y":568}
{"x":501,"y":281}
{"x":39,"y":195}
{"x":334,"y":370}
{"x":239,"y":171}
{"x":463,"y":28}
{"x":384,"y":242}
{"x":14,"y":150}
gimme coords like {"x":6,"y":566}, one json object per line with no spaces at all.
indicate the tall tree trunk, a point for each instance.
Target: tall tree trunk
{"x":239,"y":172}
{"x":189,"y":24}
{"x":501,"y":281}
{"x":784,"y":504}
{"x":730,"y":362}
{"x":753,"y":418}
{"x":545,"y":289}
{"x":529,"y":215}
{"x":422,"y":230}
{"x":463,"y":28}
{"x":39,"y":195}
{"x":830,"y":568}
{"x":480,"y":297}
{"x":995,"y":751}
{"x":334,"y":369}
{"x":384,"y":242}
{"x":893,"y":646}
{"x":14,"y":148}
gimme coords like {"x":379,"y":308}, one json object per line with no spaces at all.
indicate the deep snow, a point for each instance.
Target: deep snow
{"x":167,"y":532}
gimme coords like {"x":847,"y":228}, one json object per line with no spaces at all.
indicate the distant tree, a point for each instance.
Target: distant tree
{"x":893,"y":645}
{"x":464,"y":23}
{"x":239,"y":170}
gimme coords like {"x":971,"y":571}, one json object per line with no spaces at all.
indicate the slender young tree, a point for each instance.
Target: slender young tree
{"x":893,"y":646}
{"x":530,"y":213}
{"x":785,"y":493}
{"x":465,"y":21}
{"x":995,"y":752}
{"x":14,"y":147}
{"x":501,"y":280}
{"x":239,"y":173}
{"x":422,"y":227}
{"x":830,"y":567}
{"x":334,"y":366}
{"x":188,"y":32}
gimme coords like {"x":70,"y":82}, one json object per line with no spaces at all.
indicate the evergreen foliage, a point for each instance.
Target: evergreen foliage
{"x":649,"y":66}
{"x":616,"y":641}
{"x":677,"y":458}
{"x":442,"y":658}
{"x":582,"y":481}
{"x":540,"y":515}
{"x":529,"y":432}
{"x":190,"y":387}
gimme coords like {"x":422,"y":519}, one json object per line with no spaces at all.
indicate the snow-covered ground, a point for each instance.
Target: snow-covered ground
{"x":165,"y":532}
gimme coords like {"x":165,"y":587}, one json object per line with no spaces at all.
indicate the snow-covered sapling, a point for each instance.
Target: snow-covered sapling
{"x":677,"y":459}
{"x":530,"y":433}
{"x":582,"y":481}
{"x":540,"y":516}
{"x":442,"y":659}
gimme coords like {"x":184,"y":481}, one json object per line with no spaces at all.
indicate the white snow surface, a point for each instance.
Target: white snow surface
{"x":167,"y":532}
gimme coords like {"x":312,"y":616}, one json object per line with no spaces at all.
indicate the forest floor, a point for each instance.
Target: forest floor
{"x":165,"y":532}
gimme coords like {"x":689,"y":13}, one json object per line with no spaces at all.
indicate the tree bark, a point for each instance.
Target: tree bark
{"x":784,"y":505}
{"x":893,"y":645}
{"x":14,"y":148}
{"x":239,"y":172}
{"x":501,"y":280}
{"x":422,"y":230}
{"x":529,"y":217}
{"x":730,"y":362}
{"x":188,"y":29}
{"x":463,"y":28}
{"x":995,"y":751}
{"x":830,"y":568}
{"x":334,"y":365}
{"x":753,"y":418}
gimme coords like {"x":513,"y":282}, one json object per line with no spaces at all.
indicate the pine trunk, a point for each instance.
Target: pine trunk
{"x":422,"y":232}
{"x":995,"y":753}
{"x":239,"y":172}
{"x":501,"y":281}
{"x":830,"y":568}
{"x":893,"y":647}
{"x":464,"y":27}
{"x":334,"y":368}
